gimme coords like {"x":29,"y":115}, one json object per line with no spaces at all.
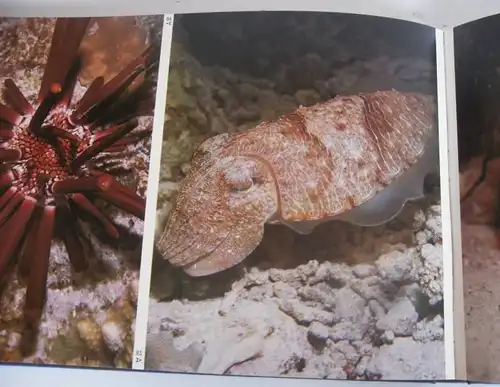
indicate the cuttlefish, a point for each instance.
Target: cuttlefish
{"x":356,"y":158}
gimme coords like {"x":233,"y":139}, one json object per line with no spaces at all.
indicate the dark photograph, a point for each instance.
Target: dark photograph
{"x":477,"y":71}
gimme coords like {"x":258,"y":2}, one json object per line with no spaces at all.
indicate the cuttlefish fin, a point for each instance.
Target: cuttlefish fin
{"x":389,"y":202}
{"x":302,"y":227}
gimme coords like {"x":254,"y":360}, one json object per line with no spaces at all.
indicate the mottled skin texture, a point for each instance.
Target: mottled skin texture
{"x":310,"y":165}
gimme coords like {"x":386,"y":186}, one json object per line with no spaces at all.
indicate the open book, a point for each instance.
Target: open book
{"x":251,"y":193}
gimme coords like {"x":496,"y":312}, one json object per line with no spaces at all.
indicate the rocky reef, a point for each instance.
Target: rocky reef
{"x":352,"y":302}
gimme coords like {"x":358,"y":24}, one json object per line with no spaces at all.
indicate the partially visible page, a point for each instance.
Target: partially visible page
{"x":477,"y":55}
{"x":76,"y":122}
{"x":283,"y":248}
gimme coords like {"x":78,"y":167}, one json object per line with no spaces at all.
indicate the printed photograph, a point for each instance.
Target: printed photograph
{"x":298,"y":229}
{"x":76,"y":117}
{"x":477,"y":71}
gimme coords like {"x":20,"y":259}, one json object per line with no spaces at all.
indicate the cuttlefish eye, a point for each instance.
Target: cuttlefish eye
{"x":241,"y":176}
{"x":240,"y":185}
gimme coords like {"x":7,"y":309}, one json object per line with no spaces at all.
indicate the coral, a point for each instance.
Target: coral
{"x":333,"y":316}
{"x":90,"y":332}
{"x":106,"y":337}
{"x":161,"y":346}
{"x":430,"y":272}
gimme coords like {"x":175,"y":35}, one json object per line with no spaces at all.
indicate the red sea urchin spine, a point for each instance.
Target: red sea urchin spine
{"x":91,"y":95}
{"x":84,"y":184}
{"x":105,"y":141}
{"x":125,"y":199}
{"x":85,"y":204}
{"x":106,"y":187}
{"x":132,"y":138}
{"x":9,"y":202}
{"x":5,"y":198}
{"x":6,"y":132}
{"x":9,"y":115}
{"x":84,"y":114}
{"x":9,"y":154}
{"x":39,"y":266}
{"x":29,"y":247}
{"x":49,"y":101}
{"x":12,"y":231}
{"x":70,"y":234}
{"x":133,"y":104}
{"x":6,"y":180}
{"x":58,"y":76}
{"x":101,"y":97}
{"x":61,"y":133}
{"x":66,"y":39}
{"x":16,"y":98}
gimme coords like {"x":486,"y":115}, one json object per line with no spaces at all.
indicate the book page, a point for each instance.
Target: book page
{"x":299,"y":221}
{"x":78,"y":118}
{"x":477,"y":89}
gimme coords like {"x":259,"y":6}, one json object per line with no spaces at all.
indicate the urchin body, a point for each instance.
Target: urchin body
{"x":356,"y":158}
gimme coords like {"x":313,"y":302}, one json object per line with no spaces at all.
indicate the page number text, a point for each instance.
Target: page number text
{"x":139,"y":357}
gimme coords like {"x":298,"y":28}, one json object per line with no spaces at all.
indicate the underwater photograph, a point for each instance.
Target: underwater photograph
{"x":298,"y":227}
{"x":76,"y":118}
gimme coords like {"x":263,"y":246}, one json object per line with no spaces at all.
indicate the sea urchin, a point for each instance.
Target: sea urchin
{"x":47,"y":178}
